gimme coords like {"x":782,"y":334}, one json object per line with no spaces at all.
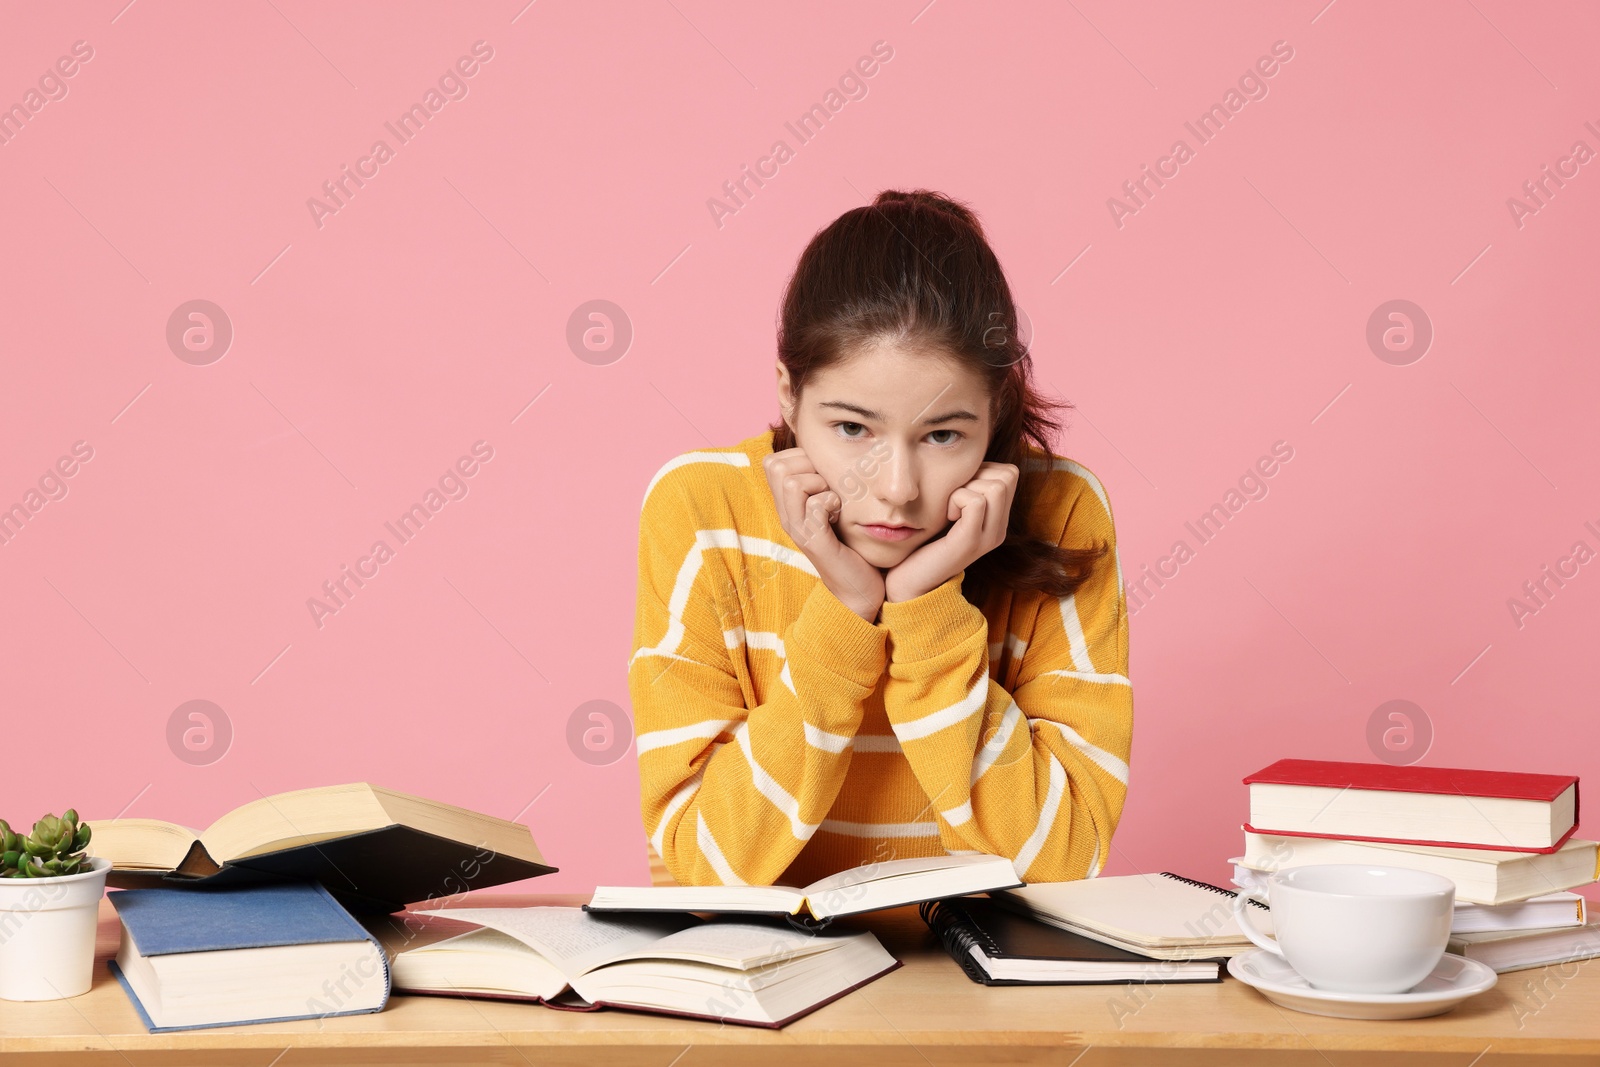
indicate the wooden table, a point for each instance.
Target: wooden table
{"x":922,"y":1014}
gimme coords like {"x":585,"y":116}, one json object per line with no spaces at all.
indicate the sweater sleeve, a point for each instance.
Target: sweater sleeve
{"x":730,"y":793}
{"x":1038,"y":774}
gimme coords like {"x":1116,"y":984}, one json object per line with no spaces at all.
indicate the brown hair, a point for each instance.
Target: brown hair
{"x":915,"y":266}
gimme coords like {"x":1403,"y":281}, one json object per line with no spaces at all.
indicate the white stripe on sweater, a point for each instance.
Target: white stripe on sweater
{"x":992,"y":749}
{"x":1047,"y":818}
{"x":705,"y":729}
{"x":679,"y":799}
{"x":880,"y":829}
{"x":1078,"y":648}
{"x":762,"y":639}
{"x":771,"y":788}
{"x":1106,"y":761}
{"x":935,"y":721}
{"x":713,"y":852}
{"x":1091,"y":676}
{"x":825,"y":740}
{"x":959,"y":814}
{"x":731,"y":459}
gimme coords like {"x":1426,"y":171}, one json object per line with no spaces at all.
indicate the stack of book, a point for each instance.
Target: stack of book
{"x":1507,"y":840}
{"x":255,"y":919}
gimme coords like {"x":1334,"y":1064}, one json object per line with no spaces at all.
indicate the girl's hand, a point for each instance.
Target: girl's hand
{"x":980,"y":510}
{"x":807,"y":509}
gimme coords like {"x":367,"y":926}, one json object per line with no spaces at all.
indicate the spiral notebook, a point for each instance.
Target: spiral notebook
{"x":997,"y":946}
{"x":1164,"y":916}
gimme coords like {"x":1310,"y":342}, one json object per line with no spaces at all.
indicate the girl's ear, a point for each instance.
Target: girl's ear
{"x":785,"y":396}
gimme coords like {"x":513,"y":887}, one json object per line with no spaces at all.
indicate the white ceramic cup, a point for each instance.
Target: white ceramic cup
{"x":1354,"y":927}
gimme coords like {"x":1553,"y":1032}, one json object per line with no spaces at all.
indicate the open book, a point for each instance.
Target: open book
{"x":865,"y":888}
{"x":374,"y":849}
{"x":760,"y":972}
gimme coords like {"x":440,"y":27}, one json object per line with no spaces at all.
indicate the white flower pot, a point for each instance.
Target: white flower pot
{"x":47,"y":931}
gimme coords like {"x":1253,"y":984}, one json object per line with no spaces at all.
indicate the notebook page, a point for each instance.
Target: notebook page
{"x":572,"y":939}
{"x":1144,"y":909}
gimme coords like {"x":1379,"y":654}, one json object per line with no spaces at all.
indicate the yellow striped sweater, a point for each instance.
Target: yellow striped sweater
{"x":781,"y":737}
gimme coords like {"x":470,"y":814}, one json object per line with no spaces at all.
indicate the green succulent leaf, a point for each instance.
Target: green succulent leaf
{"x":50,"y":830}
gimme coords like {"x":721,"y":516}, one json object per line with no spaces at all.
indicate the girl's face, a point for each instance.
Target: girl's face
{"x":894,"y":430}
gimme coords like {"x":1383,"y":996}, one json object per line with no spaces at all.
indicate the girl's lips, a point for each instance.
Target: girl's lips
{"x":889,"y":533}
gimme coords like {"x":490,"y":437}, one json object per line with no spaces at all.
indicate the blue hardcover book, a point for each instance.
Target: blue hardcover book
{"x":197,"y":957}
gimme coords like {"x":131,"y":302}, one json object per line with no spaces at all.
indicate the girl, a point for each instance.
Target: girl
{"x":893,"y":624}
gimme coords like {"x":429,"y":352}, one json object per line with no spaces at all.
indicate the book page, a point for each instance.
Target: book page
{"x":140,"y":844}
{"x":757,"y":898}
{"x":740,"y":945}
{"x":872,"y":872}
{"x":459,"y":963}
{"x":572,"y":939}
{"x":298,"y":817}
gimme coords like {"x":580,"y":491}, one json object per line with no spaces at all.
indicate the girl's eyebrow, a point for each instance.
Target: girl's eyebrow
{"x":949,"y":416}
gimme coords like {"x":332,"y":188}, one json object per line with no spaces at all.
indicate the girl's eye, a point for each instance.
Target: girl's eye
{"x":840,"y":426}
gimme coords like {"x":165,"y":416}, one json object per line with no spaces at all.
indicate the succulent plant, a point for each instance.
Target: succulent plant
{"x":54,"y":848}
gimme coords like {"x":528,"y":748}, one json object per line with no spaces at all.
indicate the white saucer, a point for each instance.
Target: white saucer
{"x":1454,"y":979}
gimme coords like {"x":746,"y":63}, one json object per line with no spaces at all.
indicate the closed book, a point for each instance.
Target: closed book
{"x":375,"y":849}
{"x":1482,"y":876}
{"x":998,"y":946}
{"x":1165,"y":916}
{"x":1453,"y":807}
{"x":1515,"y":950}
{"x":1542,"y":912}
{"x":751,"y":971}
{"x":191,"y":958}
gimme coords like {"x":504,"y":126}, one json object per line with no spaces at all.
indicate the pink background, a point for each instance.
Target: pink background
{"x":370,"y":352}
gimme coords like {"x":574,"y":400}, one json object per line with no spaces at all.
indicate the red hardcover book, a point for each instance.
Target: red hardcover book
{"x":1444,"y":781}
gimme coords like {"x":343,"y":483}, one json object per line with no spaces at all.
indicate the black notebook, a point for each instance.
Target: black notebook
{"x":998,"y":946}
